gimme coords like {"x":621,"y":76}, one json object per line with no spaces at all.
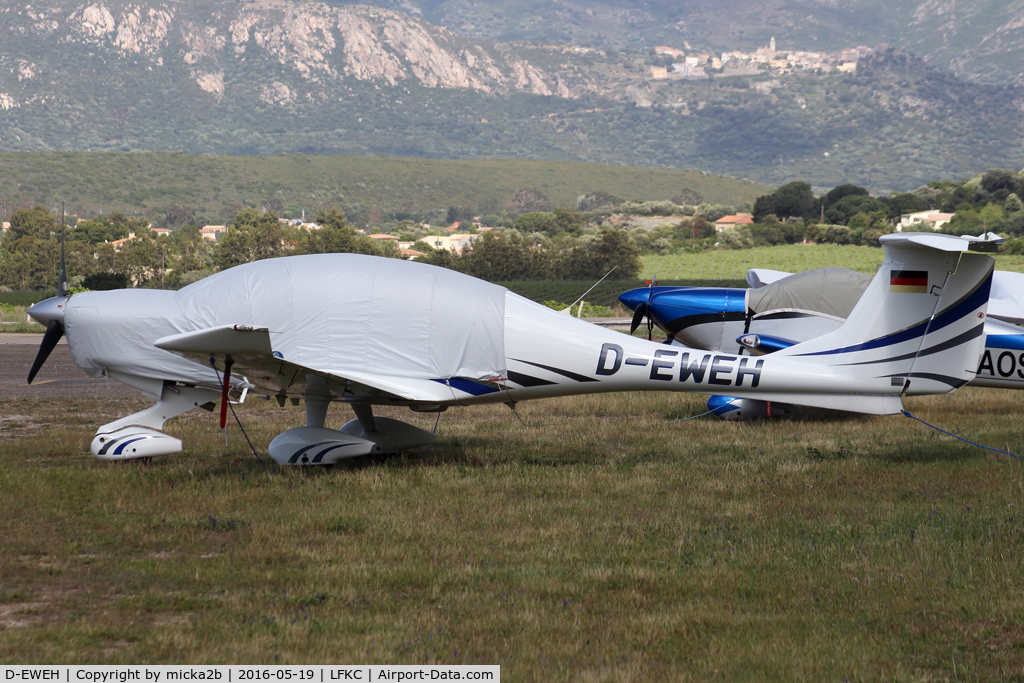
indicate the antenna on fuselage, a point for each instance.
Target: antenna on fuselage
{"x":568,"y":309}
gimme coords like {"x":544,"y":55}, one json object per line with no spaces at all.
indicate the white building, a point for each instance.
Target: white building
{"x":931,"y":220}
{"x":458,"y":242}
{"x":212,"y":233}
{"x":687,"y":69}
{"x":666,"y":50}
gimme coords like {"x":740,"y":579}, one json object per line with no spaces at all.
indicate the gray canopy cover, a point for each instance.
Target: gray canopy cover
{"x":829,"y":291}
{"x":329,"y":312}
{"x":338,"y":312}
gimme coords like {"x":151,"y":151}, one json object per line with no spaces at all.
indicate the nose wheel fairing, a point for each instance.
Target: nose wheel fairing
{"x":133,"y":442}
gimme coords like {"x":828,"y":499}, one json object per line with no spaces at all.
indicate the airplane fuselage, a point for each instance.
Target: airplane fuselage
{"x":546,"y":354}
{"x":715,"y":319}
{"x":370,"y":331}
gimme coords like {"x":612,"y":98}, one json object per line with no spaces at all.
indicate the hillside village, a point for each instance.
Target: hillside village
{"x":767,"y":58}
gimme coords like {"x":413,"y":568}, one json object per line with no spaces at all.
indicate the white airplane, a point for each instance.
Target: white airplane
{"x":371,"y":331}
{"x":781,"y":309}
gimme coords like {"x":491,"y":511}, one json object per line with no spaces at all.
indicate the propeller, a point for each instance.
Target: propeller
{"x":54,"y":331}
{"x":51,"y":312}
{"x":644,"y":310}
{"x":638,"y":316}
{"x":62,"y":279}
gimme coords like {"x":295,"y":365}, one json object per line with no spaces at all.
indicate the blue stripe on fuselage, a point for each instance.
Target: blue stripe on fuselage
{"x":469,"y":386}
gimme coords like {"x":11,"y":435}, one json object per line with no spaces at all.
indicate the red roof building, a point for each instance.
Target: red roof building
{"x":726,"y":222}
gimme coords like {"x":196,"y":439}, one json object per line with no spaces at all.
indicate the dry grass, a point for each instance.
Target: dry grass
{"x":598,"y":545}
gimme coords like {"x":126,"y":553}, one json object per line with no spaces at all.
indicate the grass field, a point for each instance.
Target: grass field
{"x":725,"y":264}
{"x":14,"y":319}
{"x":600,"y":544}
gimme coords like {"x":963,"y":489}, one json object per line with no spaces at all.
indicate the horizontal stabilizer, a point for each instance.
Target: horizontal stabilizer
{"x":942,"y":242}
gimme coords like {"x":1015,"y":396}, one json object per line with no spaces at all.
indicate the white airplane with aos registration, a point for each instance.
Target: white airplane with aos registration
{"x":371,"y":331}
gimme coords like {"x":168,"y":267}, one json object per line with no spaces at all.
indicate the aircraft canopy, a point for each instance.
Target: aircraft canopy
{"x":350,"y":313}
{"x":828,"y":291}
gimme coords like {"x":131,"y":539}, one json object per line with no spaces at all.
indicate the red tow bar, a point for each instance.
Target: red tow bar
{"x":228,"y":362}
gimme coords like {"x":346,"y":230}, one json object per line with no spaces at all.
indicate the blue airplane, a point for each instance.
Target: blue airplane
{"x":781,"y":309}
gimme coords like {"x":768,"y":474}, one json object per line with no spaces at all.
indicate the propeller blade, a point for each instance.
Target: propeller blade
{"x":62,"y":279}
{"x":54,"y":331}
{"x":638,"y":316}
{"x":647,"y":309}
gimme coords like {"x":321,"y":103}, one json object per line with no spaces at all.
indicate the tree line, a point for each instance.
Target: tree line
{"x":849,"y":214}
{"x":506,"y":255}
{"x":100,"y":255}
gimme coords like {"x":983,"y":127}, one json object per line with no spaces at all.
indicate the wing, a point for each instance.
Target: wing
{"x":252,"y":355}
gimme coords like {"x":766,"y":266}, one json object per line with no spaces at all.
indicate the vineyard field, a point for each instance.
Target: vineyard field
{"x":733,"y":264}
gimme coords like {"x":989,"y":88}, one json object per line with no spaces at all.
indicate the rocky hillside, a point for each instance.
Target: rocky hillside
{"x":276,"y":76}
{"x":313,"y":46}
{"x":980,"y":40}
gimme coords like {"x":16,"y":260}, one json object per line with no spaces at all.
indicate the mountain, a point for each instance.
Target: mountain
{"x":980,"y":40}
{"x":274,"y":76}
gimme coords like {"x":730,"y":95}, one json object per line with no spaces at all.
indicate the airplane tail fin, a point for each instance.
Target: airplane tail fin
{"x":919,"y":327}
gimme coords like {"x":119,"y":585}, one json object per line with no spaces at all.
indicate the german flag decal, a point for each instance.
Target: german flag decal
{"x":909,"y":281}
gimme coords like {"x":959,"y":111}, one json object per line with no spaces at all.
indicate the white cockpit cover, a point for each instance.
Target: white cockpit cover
{"x":829,"y":291}
{"x":368,"y":314}
{"x":1007,"y":299}
{"x":760,"y":277}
